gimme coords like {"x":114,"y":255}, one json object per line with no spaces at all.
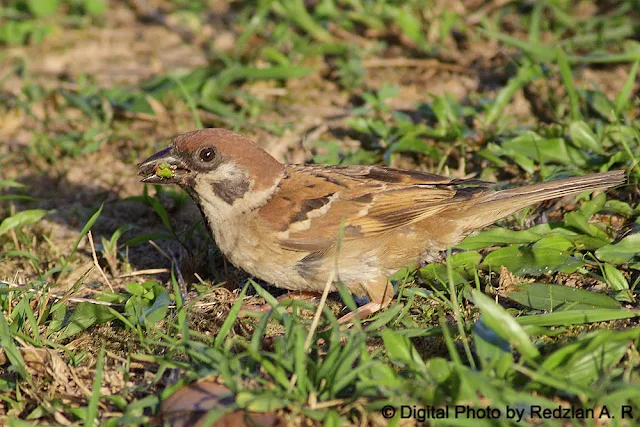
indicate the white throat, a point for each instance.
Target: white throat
{"x":216,"y":205}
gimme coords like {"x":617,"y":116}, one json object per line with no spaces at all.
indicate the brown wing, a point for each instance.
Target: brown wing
{"x":315,"y":203}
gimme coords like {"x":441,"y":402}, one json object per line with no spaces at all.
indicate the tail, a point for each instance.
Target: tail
{"x":494,"y":206}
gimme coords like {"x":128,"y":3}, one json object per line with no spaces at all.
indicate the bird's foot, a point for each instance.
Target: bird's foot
{"x":363,"y":312}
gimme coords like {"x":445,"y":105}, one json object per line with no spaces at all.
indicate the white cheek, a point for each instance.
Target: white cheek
{"x":217,"y":209}
{"x":212,"y":205}
{"x":227,"y":172}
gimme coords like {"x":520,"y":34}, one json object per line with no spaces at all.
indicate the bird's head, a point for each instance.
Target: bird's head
{"x":215,"y":166}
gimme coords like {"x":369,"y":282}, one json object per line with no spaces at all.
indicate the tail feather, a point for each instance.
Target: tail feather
{"x":494,"y":206}
{"x":559,"y":188}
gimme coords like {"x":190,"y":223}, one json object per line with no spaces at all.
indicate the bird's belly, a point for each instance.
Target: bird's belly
{"x":264,"y":259}
{"x":358,"y":261}
{"x":260,"y":257}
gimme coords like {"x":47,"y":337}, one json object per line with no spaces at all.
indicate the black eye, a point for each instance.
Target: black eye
{"x":207,"y":154}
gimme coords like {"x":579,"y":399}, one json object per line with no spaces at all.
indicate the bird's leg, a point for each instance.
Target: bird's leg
{"x":380,"y":296}
{"x":311,"y":297}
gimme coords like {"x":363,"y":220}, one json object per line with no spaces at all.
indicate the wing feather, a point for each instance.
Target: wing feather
{"x":315,"y":203}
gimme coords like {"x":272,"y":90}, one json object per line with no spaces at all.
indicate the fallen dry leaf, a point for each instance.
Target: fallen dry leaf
{"x":189,"y":406}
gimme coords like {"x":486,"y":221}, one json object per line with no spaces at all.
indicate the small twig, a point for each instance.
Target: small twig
{"x":115,"y":356}
{"x":202,"y":282}
{"x":349,"y":36}
{"x":411,"y":62}
{"x":77,"y":284}
{"x":315,"y":133}
{"x":226,"y":270}
{"x":79,"y":383}
{"x":269,"y":91}
{"x":14,"y":236}
{"x":145,"y":272}
{"x":316,"y":317}
{"x":159,"y":249}
{"x":95,"y":261}
{"x":181,"y":282}
{"x":136,"y":116}
{"x":59,"y":297}
{"x":485,"y":9}
{"x":92,"y":301}
{"x":206,"y":304}
{"x":329,"y":403}
{"x":316,"y":320}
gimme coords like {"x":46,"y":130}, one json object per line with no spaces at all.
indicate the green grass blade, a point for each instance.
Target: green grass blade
{"x":567,"y":80}
{"x":623,"y":98}
{"x":577,"y":317}
{"x":541,"y":296}
{"x":10,"y":348}
{"x":92,"y":408}
{"x":505,"y":326}
{"x":21,"y":218}
{"x":525,"y":74}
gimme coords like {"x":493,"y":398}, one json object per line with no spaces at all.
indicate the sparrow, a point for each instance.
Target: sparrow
{"x":291,"y":225}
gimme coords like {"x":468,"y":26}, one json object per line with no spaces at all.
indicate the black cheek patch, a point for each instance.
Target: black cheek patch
{"x":231,"y":190}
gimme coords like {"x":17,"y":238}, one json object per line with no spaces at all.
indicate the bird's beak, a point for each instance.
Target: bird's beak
{"x":164,"y":167}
